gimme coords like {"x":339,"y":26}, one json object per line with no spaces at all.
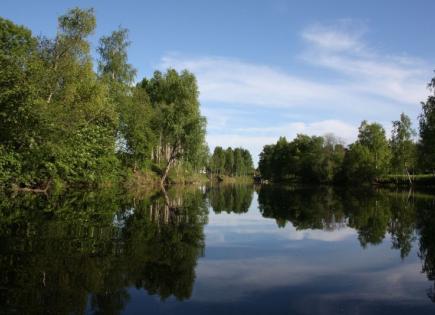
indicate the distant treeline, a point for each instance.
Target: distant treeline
{"x":237,"y":162}
{"x":372,"y":158}
{"x":62,"y":121}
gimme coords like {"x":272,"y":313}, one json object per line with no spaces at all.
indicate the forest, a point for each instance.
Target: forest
{"x":67,"y":120}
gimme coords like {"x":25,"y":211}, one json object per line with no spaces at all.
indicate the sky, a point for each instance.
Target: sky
{"x":273,"y":68}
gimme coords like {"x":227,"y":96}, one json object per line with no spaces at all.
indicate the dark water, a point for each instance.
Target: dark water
{"x":224,"y":250}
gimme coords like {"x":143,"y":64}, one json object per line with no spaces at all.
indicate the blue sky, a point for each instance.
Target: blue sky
{"x":271,"y":68}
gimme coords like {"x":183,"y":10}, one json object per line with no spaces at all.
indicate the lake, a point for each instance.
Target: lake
{"x":219,"y":250}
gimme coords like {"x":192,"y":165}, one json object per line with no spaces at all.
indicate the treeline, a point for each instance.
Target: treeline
{"x":231,"y":162}
{"x":372,"y":158}
{"x":62,"y":121}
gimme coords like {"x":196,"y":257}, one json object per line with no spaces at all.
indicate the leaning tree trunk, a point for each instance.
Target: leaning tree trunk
{"x":166,"y":171}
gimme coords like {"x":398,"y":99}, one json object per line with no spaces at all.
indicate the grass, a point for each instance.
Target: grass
{"x":233,"y":179}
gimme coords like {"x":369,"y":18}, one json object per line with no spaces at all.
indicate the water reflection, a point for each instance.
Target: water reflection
{"x":230,"y":198}
{"x":372,"y":214}
{"x":266,"y":250}
{"x":58,"y":253}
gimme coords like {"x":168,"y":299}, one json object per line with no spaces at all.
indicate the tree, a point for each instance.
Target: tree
{"x":283,"y":160}
{"x":427,"y":131}
{"x":333,"y":156}
{"x":136,"y":136}
{"x":369,"y":157}
{"x":62,"y":115}
{"x":265,"y":162}
{"x":402,"y":146}
{"x":68,"y":48}
{"x":229,"y":161}
{"x":20,"y":74}
{"x":113,"y":62}
{"x":232,"y":162}
{"x":178,"y":121}
{"x":79,"y":139}
{"x":217,"y":162}
{"x":247,"y":162}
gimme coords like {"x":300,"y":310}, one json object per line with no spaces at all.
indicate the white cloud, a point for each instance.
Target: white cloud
{"x":345,"y":36}
{"x":237,"y":82}
{"x":254,"y":138}
{"x":398,"y":78}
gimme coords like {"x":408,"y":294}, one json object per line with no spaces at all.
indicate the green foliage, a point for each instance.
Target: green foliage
{"x":20,"y":76}
{"x":231,"y":198}
{"x":113,"y":62}
{"x":372,"y":214}
{"x":325,"y":159}
{"x":61,"y":121}
{"x":217,"y":161}
{"x":309,"y":159}
{"x":369,"y":157}
{"x":237,"y":162}
{"x":403,"y":148}
{"x":427,"y":131}
{"x":177,"y":121}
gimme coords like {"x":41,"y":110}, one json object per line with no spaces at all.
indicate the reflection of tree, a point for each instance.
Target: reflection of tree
{"x":172,"y":243}
{"x":56,"y":253}
{"x":305,"y":208}
{"x":402,"y":223}
{"x":230,"y":198}
{"x":371,"y":213}
{"x":426,"y":229}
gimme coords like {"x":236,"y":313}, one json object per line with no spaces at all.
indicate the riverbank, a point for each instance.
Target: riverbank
{"x":421,"y":180}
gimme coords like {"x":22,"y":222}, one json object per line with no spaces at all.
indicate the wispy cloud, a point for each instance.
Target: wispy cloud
{"x":342,"y":49}
{"x":345,"y":35}
{"x":237,"y":82}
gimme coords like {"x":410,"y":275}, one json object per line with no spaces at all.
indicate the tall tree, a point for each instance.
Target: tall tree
{"x":427,"y":131}
{"x":229,"y":161}
{"x":21,"y":72}
{"x":369,"y":157}
{"x":178,"y":121}
{"x":113,"y":62}
{"x":217,"y":162}
{"x":373,"y":137}
{"x":402,"y":146}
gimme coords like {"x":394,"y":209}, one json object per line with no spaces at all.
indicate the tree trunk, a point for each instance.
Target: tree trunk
{"x":166,"y":171}
{"x":34,"y":190}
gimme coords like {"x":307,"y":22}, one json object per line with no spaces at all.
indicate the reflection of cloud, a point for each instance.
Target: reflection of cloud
{"x":253,"y":223}
{"x":226,"y":224}
{"x":248,"y":255}
{"x":245,"y":277}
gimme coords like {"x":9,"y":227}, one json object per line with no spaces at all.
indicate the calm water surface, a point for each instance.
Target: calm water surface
{"x":221,"y":250}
